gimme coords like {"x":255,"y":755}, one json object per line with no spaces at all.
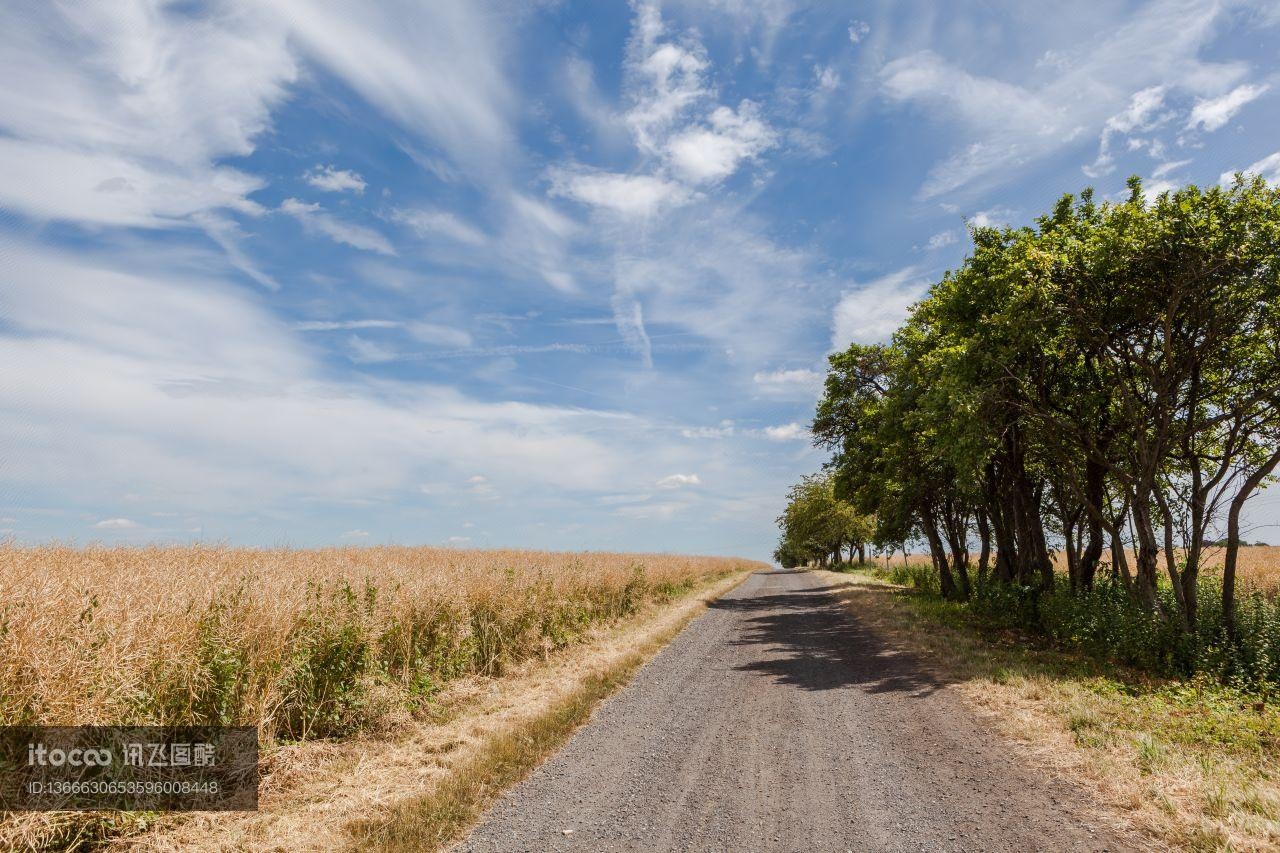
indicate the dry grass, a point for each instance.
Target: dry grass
{"x":298,"y":642}
{"x":366,"y":645}
{"x":425,"y":785}
{"x":1192,"y":765}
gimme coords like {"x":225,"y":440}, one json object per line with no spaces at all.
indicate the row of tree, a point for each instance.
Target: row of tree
{"x":1105,"y":383}
{"x":817,"y":526}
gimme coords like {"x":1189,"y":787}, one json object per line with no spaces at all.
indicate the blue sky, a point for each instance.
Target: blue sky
{"x":557,"y":275}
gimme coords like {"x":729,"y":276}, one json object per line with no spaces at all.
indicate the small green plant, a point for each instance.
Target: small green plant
{"x":330,"y":656}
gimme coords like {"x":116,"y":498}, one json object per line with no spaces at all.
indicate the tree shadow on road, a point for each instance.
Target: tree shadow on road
{"x":810,"y":639}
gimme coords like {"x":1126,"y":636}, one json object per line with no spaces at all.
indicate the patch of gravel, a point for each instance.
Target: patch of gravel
{"x":776,"y":721}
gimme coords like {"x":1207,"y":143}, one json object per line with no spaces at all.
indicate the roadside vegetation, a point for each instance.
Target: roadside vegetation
{"x":1190,"y":762}
{"x":1070,"y":426}
{"x":304,"y":644}
{"x":310,"y":646}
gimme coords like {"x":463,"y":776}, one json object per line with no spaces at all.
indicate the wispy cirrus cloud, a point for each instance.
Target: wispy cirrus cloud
{"x":871,"y":313}
{"x":1011,"y":125}
{"x":316,"y":219}
{"x":119,"y":116}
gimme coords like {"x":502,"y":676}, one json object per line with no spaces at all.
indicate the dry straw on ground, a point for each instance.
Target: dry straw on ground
{"x":302,"y":643}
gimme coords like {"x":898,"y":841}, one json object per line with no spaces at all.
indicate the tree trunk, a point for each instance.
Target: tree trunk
{"x":1000,"y":516}
{"x":1186,"y":605}
{"x":946,"y":582}
{"x":1069,"y":547}
{"x":1095,"y":494}
{"x":984,"y":536}
{"x":1120,"y":560}
{"x":1148,"y":550}
{"x":1233,"y":542}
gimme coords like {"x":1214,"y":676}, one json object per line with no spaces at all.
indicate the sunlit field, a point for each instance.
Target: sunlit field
{"x":1258,"y":566}
{"x":302,"y":643}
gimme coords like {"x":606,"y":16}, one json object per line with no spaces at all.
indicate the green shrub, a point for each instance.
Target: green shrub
{"x":921,"y":576}
{"x":1108,"y":623}
{"x":330,"y":657}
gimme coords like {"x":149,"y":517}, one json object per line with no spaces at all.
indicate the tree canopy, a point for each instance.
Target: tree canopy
{"x":1104,"y":382}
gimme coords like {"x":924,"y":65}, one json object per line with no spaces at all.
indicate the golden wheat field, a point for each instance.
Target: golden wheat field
{"x":1258,"y":565}
{"x":302,"y":643}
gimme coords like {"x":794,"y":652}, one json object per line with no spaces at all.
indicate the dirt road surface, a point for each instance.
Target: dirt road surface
{"x":777,"y":722}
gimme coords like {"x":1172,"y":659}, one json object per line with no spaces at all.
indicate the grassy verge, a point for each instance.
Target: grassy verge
{"x":442,"y":816}
{"x":1191,"y":763}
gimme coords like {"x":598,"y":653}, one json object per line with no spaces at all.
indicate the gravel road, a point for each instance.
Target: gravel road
{"x":777,"y":722}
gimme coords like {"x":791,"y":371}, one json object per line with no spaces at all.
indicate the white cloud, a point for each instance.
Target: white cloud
{"x":826,"y":78}
{"x":438,"y":334}
{"x":713,"y":270}
{"x":858,"y":30}
{"x":713,"y":152}
{"x":116,"y":524}
{"x":628,"y":318}
{"x":336,"y":325}
{"x":996,"y":217}
{"x":616,"y":500}
{"x":216,"y":405}
{"x":665,"y":79}
{"x":1168,"y":167}
{"x":801,"y":382}
{"x":365,"y":351}
{"x":1211,"y":114}
{"x":226,"y":233}
{"x":435,"y":68}
{"x":666,"y":89}
{"x":982,"y":102}
{"x":355,"y":534}
{"x":334,"y":180}
{"x":650,"y":511}
{"x":536,"y":237}
{"x":871,"y":313}
{"x":628,"y":195}
{"x":941,"y":240}
{"x":116,"y":114}
{"x":724,"y":430}
{"x":1164,"y":178}
{"x":786,"y":432}
{"x":429,"y":223}
{"x":50,"y":181}
{"x":1268,"y":167}
{"x":678,"y":481}
{"x":1144,"y":112}
{"x":1007,"y":126}
{"x":314,"y":218}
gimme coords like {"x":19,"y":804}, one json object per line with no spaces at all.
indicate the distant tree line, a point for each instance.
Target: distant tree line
{"x":1104,"y":384}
